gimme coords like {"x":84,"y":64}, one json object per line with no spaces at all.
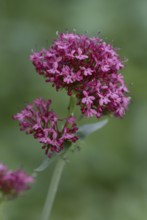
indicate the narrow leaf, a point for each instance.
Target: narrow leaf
{"x":88,"y":129}
{"x":45,"y":163}
{"x":48,"y":161}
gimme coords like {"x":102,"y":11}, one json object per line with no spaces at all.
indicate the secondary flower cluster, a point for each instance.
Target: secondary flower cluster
{"x":87,"y":67}
{"x":13,"y":183}
{"x":43,"y":123}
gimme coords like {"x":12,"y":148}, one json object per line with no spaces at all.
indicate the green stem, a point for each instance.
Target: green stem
{"x":57,"y":173}
{"x":71,"y":106}
{"x":53,"y":189}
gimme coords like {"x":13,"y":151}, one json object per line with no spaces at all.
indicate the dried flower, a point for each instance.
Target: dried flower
{"x":13,"y":183}
{"x":87,"y":67}
{"x":43,"y":123}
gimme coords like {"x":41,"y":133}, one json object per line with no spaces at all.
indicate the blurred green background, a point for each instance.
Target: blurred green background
{"x":107,"y":179}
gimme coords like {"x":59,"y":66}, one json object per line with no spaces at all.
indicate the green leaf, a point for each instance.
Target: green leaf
{"x":88,"y":129}
{"x":45,"y":163}
{"x":48,"y":161}
{"x":83,"y":132}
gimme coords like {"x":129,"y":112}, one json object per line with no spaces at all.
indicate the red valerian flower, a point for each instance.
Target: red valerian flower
{"x":87,"y":67}
{"x":43,"y":123}
{"x":13,"y":183}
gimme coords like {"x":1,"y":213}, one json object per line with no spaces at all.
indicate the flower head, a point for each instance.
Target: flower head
{"x":87,"y":67}
{"x":13,"y":183}
{"x":43,"y":123}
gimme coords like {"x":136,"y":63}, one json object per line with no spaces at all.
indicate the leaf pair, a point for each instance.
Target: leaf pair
{"x":83,"y":132}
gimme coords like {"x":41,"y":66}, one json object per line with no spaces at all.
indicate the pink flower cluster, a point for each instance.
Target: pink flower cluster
{"x":43,"y":123}
{"x":13,"y":183}
{"x":87,"y":67}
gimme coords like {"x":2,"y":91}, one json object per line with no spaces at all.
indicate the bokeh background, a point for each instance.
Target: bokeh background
{"x":107,"y":179}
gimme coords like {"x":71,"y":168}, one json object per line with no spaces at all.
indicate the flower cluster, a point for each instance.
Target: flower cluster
{"x":43,"y":123}
{"x":13,"y":183}
{"x":88,"y":68}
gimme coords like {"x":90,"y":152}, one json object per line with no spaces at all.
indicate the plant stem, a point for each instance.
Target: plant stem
{"x":57,"y":173}
{"x":71,"y":106}
{"x":53,"y":189}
